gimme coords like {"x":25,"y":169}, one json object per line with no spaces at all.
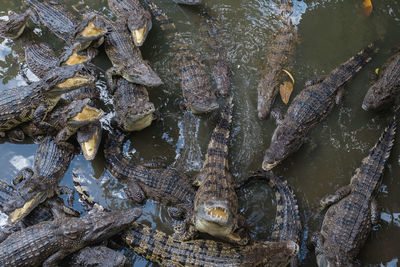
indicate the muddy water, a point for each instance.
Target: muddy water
{"x":329,"y":33}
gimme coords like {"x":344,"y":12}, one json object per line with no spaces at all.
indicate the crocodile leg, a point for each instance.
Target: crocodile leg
{"x":65,"y":190}
{"x":335,"y":197}
{"x":16,"y":135}
{"x":39,"y":115}
{"x":184,"y":231}
{"x":111,"y":84}
{"x":23,"y":175}
{"x":374,"y":212}
{"x":135,"y":192}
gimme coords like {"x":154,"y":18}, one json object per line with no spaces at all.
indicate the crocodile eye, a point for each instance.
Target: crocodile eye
{"x":72,"y":234}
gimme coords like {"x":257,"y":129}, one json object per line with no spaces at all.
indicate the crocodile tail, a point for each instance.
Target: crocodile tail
{"x":160,"y":16}
{"x":348,"y":69}
{"x":87,"y":200}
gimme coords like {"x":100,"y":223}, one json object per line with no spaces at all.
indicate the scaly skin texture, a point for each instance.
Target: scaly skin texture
{"x":99,"y":256}
{"x":309,"y":107}
{"x":34,"y":101}
{"x":158,"y":247}
{"x":15,"y":25}
{"x":132,"y":105}
{"x":125,"y":57}
{"x":51,"y":163}
{"x":348,"y":221}
{"x":135,"y":16}
{"x":287,"y":224}
{"x":47,"y":243}
{"x":280,"y":53}
{"x":216,"y":202}
{"x":211,"y":31}
{"x":195,"y":83}
{"x":167,"y":186}
{"x":387,"y":88}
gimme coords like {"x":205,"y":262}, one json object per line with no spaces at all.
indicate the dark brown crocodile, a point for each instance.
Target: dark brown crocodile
{"x":51,"y":163}
{"x":135,"y":16}
{"x":134,"y":111}
{"x":216,"y":203}
{"x":280,"y":53}
{"x":46,"y":243}
{"x":15,"y":25}
{"x":34,"y":101}
{"x":99,"y":256}
{"x":167,"y":186}
{"x":387,"y":88}
{"x":309,"y":107}
{"x":125,"y":57}
{"x":54,"y":16}
{"x":212,"y":34}
{"x":157,"y":246}
{"x":195,"y":83}
{"x":353,"y":209}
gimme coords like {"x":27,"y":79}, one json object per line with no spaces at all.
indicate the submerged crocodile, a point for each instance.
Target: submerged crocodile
{"x":309,"y":107}
{"x":134,"y":111}
{"x":280,"y":53}
{"x":167,"y":186}
{"x":15,"y":25}
{"x":51,"y":163}
{"x":211,"y":31}
{"x":54,"y":16}
{"x":195,"y":83}
{"x":125,"y":57}
{"x":387,"y":88}
{"x":46,"y":243}
{"x":353,"y":208}
{"x":216,"y":203}
{"x":135,"y":16}
{"x":97,"y":256}
{"x":188,"y":2}
{"x":34,"y":101}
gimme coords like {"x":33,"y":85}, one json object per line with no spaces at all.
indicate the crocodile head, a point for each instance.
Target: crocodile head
{"x":15,"y":25}
{"x":89,"y":31}
{"x":205,"y":105}
{"x":377,"y":97}
{"x":215,"y":217}
{"x":141,"y":74}
{"x":139,"y":23}
{"x":96,"y":227}
{"x":89,"y":139}
{"x":83,"y":115}
{"x":136,"y":117}
{"x":222,"y":77}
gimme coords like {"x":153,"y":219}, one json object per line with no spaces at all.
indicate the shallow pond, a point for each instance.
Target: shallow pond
{"x":329,"y":33}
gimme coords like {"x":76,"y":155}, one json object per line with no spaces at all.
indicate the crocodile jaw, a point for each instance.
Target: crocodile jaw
{"x":75,"y":82}
{"x":20,"y":213}
{"x":214,"y":218}
{"x":87,"y":115}
{"x":269,"y":166}
{"x":75,"y":59}
{"x":139,"y":35}
{"x":90,"y":147}
{"x":140,"y":124}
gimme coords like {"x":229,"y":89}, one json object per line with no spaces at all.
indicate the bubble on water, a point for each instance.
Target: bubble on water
{"x":19,"y":162}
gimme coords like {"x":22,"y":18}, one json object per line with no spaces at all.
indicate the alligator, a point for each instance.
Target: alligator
{"x":135,"y":16}
{"x":148,"y":180}
{"x":15,"y":25}
{"x":387,"y":88}
{"x":51,"y":162}
{"x":157,"y":246}
{"x":33,"y":102}
{"x":97,"y":256}
{"x":309,"y":107}
{"x":195,"y":83}
{"x":133,"y":110}
{"x":280,"y":53}
{"x":211,"y":31}
{"x":46,"y":243}
{"x":353,"y":208}
{"x":125,"y":57}
{"x":287,"y":224}
{"x":54,"y":16}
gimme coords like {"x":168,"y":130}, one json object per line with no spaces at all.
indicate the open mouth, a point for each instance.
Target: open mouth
{"x":88,"y":114}
{"x":217,"y":213}
{"x":90,"y":147}
{"x":268,"y":166}
{"x":140,"y":124}
{"x":140,"y":34}
{"x":75,"y":59}
{"x":91,"y":31}
{"x":17,"y":214}
{"x":75,"y":81}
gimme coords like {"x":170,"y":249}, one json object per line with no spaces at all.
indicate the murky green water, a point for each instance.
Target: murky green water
{"x":330,"y":32}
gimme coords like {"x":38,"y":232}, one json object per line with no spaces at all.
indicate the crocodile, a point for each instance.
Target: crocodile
{"x":99,"y":256}
{"x":189,"y":2}
{"x":15,"y":25}
{"x":33,"y":102}
{"x":387,"y":88}
{"x":195,"y":83}
{"x":158,"y":247}
{"x":135,"y":16}
{"x":167,"y":186}
{"x":353,"y":208}
{"x":216,"y":203}
{"x":54,"y":16}
{"x":280,"y":53}
{"x":125,"y":57}
{"x":309,"y":107}
{"x":51,"y":162}
{"x":133,"y":110}
{"x":47,"y":243}
{"x":212,"y":34}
